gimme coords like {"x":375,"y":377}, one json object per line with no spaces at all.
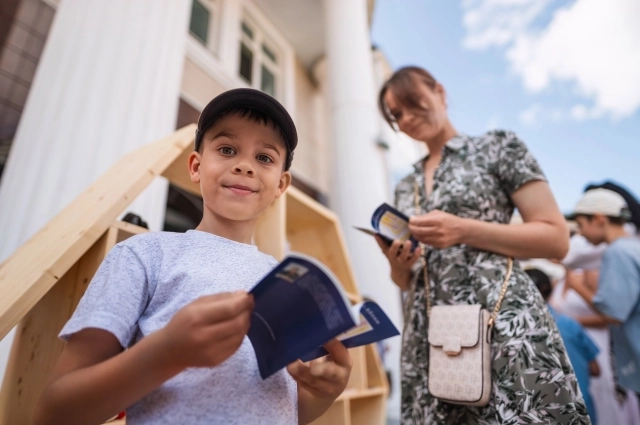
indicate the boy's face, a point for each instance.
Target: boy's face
{"x":240,"y":168}
{"x":594,"y":229}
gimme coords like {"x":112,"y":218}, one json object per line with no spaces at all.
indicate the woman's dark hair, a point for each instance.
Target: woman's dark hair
{"x":403,"y":82}
{"x":542,"y":281}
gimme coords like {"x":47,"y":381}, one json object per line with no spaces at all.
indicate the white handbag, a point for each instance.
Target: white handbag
{"x":459,"y":344}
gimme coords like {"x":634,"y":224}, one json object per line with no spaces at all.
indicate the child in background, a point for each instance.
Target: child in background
{"x":613,"y":404}
{"x":601,"y":215}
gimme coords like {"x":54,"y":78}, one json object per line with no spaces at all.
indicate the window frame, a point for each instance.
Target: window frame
{"x":213,"y":31}
{"x":260,"y":58}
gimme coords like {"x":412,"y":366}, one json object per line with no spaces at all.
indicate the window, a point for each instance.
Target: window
{"x":202,"y":25}
{"x":258,"y":60}
{"x":246,"y":63}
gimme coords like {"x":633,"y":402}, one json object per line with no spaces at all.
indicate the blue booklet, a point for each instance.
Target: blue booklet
{"x":299,"y":306}
{"x":373,"y":326}
{"x":390,"y":224}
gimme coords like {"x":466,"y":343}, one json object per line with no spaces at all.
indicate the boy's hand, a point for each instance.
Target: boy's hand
{"x":321,"y":381}
{"x":209,"y":330}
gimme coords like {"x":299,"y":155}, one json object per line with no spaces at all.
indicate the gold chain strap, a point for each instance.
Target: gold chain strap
{"x":427,"y":285}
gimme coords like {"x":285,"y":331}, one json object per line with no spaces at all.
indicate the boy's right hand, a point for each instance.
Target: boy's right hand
{"x":209,"y":330}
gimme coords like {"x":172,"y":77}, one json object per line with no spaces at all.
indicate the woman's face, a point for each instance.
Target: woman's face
{"x":424,"y":121}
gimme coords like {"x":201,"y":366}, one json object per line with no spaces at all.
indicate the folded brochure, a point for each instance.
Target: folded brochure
{"x":299,"y":306}
{"x":390,"y":224}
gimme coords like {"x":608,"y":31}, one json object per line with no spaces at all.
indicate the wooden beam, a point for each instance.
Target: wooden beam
{"x":30,"y":272}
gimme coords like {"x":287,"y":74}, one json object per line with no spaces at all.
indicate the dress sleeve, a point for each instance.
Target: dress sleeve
{"x":516,"y":165}
{"x":115,"y":298}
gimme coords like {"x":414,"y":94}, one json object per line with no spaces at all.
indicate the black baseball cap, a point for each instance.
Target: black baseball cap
{"x":251,"y":99}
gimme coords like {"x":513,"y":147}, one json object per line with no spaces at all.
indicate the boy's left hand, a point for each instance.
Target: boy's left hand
{"x":321,"y":381}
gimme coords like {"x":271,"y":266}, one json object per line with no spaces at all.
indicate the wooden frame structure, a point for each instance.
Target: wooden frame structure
{"x":44,"y":279}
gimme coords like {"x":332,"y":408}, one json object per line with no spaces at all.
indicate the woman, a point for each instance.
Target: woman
{"x":468,"y":188}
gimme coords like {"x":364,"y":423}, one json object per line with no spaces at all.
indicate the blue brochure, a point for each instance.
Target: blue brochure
{"x":301,"y":305}
{"x":390,"y":224}
{"x":373,"y":326}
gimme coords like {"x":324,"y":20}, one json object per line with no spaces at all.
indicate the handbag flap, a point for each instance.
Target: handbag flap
{"x":455,"y":325}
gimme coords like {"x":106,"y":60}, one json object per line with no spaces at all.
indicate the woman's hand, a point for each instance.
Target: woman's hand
{"x":401,"y":260}
{"x":437,"y":229}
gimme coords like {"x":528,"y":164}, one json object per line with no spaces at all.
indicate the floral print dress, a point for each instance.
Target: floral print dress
{"x":533,"y":381}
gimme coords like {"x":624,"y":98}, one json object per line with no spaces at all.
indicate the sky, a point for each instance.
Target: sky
{"x":564,"y":75}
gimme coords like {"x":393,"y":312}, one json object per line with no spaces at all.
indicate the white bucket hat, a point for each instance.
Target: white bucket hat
{"x":602,"y":201}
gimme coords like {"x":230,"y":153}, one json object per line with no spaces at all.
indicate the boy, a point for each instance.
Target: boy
{"x":601,"y":215}
{"x":161,"y":330}
{"x":580,"y":348}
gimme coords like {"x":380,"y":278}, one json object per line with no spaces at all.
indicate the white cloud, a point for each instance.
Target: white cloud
{"x":530,"y":115}
{"x":593,"y":44}
{"x":498,"y":22}
{"x":537,"y":113}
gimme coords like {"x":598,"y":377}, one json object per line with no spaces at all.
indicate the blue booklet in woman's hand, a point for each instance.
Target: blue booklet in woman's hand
{"x":390,"y":224}
{"x":299,"y":306}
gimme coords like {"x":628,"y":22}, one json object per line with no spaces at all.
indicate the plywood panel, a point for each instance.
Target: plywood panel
{"x":321,"y":241}
{"x":36,"y":346}
{"x":178,"y":173}
{"x":315,"y":230}
{"x":123,"y":230}
{"x":358,"y":379}
{"x":368,"y":410}
{"x":338,"y":414}
{"x":376,"y":376}
{"x":269,"y":234}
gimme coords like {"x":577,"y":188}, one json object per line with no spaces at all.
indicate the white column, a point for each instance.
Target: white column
{"x":108,"y":82}
{"x":359,"y":184}
{"x":230,"y":34}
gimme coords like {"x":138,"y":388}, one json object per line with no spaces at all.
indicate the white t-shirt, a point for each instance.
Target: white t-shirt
{"x":583,"y":255}
{"x":138,"y":288}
